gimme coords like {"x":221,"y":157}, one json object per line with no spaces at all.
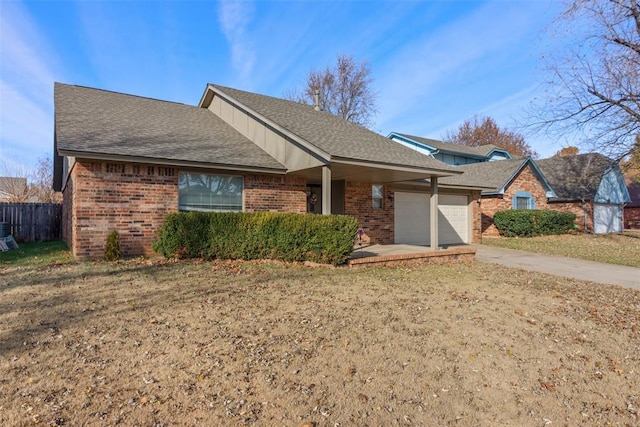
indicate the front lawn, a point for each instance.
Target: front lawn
{"x":251,"y":343}
{"x":621,"y":249}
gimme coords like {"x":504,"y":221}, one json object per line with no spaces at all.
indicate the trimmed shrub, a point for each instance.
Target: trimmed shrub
{"x":112,"y":250}
{"x":529,"y":223}
{"x":327,"y":239}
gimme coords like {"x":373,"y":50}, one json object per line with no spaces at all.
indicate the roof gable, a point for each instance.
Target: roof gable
{"x":497,"y":176}
{"x":579,"y":177}
{"x":326,"y":134}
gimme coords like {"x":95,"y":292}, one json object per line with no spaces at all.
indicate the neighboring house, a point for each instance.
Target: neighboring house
{"x":124,"y":162}
{"x":512,"y":184}
{"x":591,"y":186}
{"x":451,"y":154}
{"x":14,"y":190}
{"x":632,"y":209}
{"x":506,"y":184}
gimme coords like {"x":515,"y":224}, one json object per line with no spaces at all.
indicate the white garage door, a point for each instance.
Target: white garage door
{"x":412,"y":219}
{"x":453,"y":221}
{"x":411,"y":223}
{"x":607,"y":218}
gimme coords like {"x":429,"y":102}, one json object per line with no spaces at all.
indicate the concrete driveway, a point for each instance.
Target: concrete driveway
{"x":598,"y":272}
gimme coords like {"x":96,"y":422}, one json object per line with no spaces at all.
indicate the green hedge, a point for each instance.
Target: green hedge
{"x":528,"y":223}
{"x":324,"y":239}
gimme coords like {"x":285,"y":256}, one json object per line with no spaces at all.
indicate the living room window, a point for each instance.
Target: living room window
{"x":209,"y":193}
{"x":377,"y":193}
{"x":523,"y":200}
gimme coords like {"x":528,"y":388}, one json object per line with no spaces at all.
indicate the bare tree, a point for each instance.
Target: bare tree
{"x":14,"y":177}
{"x":595,"y":78}
{"x":484,"y":131}
{"x":344,"y":89}
{"x":42,"y":185}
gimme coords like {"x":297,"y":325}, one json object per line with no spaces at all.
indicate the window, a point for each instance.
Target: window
{"x":377,"y":191}
{"x":209,"y":193}
{"x":522,"y":200}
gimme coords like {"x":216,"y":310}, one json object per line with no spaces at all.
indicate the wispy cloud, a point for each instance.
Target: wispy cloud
{"x":482,"y":46}
{"x":234,"y":18}
{"x":26,"y":86}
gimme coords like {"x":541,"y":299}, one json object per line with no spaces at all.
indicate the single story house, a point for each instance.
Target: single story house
{"x":123,"y":162}
{"x":591,"y":186}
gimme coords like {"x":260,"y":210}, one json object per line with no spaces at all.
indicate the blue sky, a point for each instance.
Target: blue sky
{"x":434,"y":63}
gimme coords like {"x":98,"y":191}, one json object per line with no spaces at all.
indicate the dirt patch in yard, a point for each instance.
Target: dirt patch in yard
{"x":226,"y":343}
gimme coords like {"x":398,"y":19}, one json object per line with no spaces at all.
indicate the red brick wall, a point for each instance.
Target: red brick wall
{"x":135,"y":198}
{"x":377,"y":223}
{"x":476,"y":222}
{"x":582,"y":211}
{"x":275,"y":193}
{"x":130,"y":198}
{"x":632,"y":217}
{"x":525,"y":181}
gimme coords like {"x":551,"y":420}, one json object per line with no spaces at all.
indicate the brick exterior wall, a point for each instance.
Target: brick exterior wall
{"x":135,"y":198}
{"x":632,"y":217}
{"x":476,"y":213}
{"x":275,"y":193}
{"x":526,"y":180}
{"x":584,"y":212}
{"x":377,"y":223}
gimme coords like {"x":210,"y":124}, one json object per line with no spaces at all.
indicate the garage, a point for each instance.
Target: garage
{"x":412,"y":218}
{"x":607,"y":218}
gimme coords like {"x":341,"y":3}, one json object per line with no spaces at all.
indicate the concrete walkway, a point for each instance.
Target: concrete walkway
{"x":561,"y":266}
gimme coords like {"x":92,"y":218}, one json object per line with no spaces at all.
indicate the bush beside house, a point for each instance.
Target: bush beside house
{"x":264,"y":235}
{"x":529,"y":223}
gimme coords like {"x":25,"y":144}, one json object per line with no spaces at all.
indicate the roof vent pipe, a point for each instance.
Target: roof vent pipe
{"x":316,"y":100}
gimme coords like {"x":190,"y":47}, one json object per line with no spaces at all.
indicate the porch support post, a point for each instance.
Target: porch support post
{"x":326,"y":190}
{"x":433,"y":214}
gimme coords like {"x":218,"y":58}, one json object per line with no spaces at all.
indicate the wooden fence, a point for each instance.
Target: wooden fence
{"x":33,"y":222}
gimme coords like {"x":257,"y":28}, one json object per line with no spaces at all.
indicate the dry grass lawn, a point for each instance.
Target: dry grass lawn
{"x":621,"y":249}
{"x":229,"y":343}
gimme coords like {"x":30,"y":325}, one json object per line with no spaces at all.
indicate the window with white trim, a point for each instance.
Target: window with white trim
{"x":523,"y":200}
{"x":377,"y":193}
{"x":209,"y":193}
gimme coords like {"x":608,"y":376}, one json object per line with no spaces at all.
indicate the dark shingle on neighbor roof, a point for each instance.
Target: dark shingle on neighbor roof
{"x":101,"y":122}
{"x":331,"y":134}
{"x":480,"y":151}
{"x":575,"y":177}
{"x":491,"y":175}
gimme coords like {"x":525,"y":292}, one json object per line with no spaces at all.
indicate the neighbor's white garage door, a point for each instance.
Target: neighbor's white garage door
{"x":607,"y":218}
{"x":412,"y":218}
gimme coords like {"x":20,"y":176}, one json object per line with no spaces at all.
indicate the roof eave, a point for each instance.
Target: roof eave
{"x":433,"y":171}
{"x":170,"y":162}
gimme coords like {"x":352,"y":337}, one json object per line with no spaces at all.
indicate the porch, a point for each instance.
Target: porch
{"x":404,"y":255}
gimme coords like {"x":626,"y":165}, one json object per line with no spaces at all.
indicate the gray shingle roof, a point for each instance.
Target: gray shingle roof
{"x":100,"y":122}
{"x":491,"y":175}
{"x":331,"y":134}
{"x":575,"y":177}
{"x":480,"y":151}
